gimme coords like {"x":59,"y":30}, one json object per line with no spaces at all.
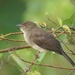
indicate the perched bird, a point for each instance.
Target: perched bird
{"x":42,"y":40}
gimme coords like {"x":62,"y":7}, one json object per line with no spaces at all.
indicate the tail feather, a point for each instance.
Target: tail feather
{"x":68,"y":58}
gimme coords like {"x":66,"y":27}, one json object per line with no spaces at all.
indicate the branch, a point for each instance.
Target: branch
{"x":14,"y":33}
{"x":14,"y":48}
{"x":47,"y":65}
{"x":32,"y":63}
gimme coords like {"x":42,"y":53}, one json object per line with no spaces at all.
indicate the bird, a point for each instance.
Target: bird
{"x":42,"y":40}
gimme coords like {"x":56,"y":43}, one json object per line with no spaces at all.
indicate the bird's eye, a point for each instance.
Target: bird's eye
{"x":25,"y":24}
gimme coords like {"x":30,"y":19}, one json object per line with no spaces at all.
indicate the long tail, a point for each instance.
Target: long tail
{"x":68,"y":58}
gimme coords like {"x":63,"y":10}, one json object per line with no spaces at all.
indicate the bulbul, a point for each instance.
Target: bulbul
{"x":42,"y":40}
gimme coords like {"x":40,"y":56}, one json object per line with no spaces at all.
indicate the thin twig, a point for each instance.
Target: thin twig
{"x":3,"y":38}
{"x":72,"y":2}
{"x":70,"y":72}
{"x":64,"y":32}
{"x":14,"y":48}
{"x":14,"y":33}
{"x":31,"y":64}
{"x":51,"y":20}
{"x":47,"y":65}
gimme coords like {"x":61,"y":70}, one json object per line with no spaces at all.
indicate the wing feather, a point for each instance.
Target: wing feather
{"x":46,"y":41}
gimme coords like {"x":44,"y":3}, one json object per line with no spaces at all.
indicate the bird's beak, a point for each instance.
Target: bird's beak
{"x":19,"y":25}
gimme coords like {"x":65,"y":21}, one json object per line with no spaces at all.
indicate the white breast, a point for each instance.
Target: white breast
{"x":32,"y":44}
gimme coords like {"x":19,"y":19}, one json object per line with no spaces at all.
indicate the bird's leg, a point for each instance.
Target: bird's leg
{"x":37,"y":54}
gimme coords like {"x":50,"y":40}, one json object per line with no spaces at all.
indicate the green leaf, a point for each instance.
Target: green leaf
{"x":41,"y":56}
{"x":69,"y":39}
{"x":21,"y":64}
{"x":60,"y":21}
{"x":36,"y":73}
{"x":33,"y":73}
{"x":67,"y":28}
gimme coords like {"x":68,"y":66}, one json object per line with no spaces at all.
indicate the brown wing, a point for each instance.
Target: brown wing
{"x":47,"y":41}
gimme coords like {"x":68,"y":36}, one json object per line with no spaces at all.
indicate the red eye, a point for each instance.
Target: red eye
{"x":25,"y":24}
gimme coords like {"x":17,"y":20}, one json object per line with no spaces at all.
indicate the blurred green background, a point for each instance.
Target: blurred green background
{"x":13,"y":12}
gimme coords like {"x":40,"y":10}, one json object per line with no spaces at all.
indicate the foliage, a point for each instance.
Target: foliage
{"x":15,"y":12}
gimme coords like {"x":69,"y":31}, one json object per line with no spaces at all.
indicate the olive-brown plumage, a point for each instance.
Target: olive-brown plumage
{"x":42,"y":40}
